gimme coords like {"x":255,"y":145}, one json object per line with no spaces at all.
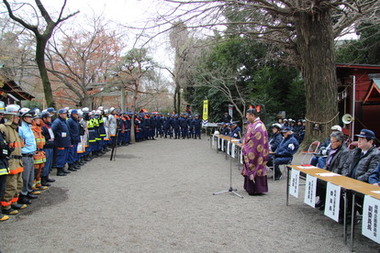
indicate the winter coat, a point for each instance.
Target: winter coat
{"x":361,"y":168}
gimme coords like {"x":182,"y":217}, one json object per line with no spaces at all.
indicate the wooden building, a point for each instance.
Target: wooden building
{"x":359,"y":96}
{"x":11,"y":93}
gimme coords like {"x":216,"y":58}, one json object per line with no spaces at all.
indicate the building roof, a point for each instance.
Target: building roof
{"x":357,"y":66}
{"x":373,"y":95}
{"x":11,"y":87}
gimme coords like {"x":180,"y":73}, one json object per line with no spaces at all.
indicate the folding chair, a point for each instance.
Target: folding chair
{"x":313,"y":148}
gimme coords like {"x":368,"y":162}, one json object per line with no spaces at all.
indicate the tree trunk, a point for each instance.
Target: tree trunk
{"x":176,"y":99}
{"x":133,"y":137}
{"x":40,"y":60}
{"x":315,"y":45}
{"x":179,"y":100}
{"x":86,"y":101}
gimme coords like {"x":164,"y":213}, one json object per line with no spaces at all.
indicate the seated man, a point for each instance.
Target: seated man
{"x":235,"y":131}
{"x":276,"y":137}
{"x":320,"y":159}
{"x":284,"y":152}
{"x":364,"y":159}
{"x":335,"y":161}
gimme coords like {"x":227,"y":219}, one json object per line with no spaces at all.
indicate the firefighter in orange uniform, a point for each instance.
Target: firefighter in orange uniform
{"x":10,"y":202}
{"x":39,"y":157}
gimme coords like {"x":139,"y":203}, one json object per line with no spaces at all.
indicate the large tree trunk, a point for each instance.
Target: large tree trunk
{"x":316,"y":50}
{"x":40,"y":60}
{"x":86,"y":101}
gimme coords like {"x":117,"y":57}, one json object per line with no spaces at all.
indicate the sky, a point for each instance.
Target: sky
{"x":129,"y":13}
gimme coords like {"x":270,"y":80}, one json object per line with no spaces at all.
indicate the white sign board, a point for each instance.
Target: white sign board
{"x":233,"y":150}
{"x":370,"y":222}
{"x":310,"y":190}
{"x":294,"y":182}
{"x":332,"y":203}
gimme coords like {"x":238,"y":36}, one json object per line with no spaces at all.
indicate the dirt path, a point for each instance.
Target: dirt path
{"x":157,"y":197}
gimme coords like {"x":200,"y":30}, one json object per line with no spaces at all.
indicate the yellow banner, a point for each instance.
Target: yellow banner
{"x":205,"y":110}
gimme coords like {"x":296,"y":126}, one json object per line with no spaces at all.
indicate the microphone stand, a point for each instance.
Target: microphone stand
{"x":230,"y":189}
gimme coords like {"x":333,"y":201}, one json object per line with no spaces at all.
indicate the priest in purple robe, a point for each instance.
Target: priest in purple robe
{"x":255,"y":153}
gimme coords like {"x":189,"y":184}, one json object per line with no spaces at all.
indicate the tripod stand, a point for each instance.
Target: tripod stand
{"x":231,"y":190}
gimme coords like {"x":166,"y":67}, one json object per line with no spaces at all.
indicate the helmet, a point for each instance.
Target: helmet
{"x":67,"y":108}
{"x":336,"y":128}
{"x":12,"y":109}
{"x":2,"y":107}
{"x":26,"y":112}
{"x":101,"y":108}
{"x":80,"y":113}
{"x":85,"y":109}
{"x":98,"y":112}
{"x":277,"y":125}
{"x":106,"y":111}
{"x":216,"y":133}
{"x":112,"y":108}
{"x":38,"y":116}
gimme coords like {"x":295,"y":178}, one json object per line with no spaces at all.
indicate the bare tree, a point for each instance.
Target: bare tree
{"x":131,"y":69}
{"x":303,"y":29}
{"x":85,"y":57}
{"x":43,"y":32}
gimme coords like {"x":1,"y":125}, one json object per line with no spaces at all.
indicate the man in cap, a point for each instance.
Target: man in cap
{"x":73,"y":123}
{"x":62,"y":141}
{"x":284,"y":152}
{"x":235,"y":130}
{"x":52,"y":112}
{"x":30,"y":147}
{"x":363,"y":160}
{"x":255,"y":151}
{"x":197,"y":126}
{"x":320,"y":159}
{"x":47,"y":132}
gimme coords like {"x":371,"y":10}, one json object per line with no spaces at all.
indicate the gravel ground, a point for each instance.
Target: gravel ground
{"x":157,"y":197}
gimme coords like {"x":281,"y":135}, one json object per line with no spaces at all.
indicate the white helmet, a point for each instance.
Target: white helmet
{"x":112,"y":109}
{"x":26,"y":112}
{"x":216,"y":133}
{"x":336,"y":128}
{"x":98,"y":112}
{"x":106,"y":111}
{"x":101,"y":108}
{"x":12,"y":109}
{"x":85,"y":109}
{"x":67,"y":108}
{"x":278,"y":125}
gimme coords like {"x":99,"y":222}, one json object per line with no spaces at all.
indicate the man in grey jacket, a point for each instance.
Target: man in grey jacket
{"x":335,"y":161}
{"x":363,"y":160}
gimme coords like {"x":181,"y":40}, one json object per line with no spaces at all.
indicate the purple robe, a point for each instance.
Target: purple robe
{"x":255,"y":153}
